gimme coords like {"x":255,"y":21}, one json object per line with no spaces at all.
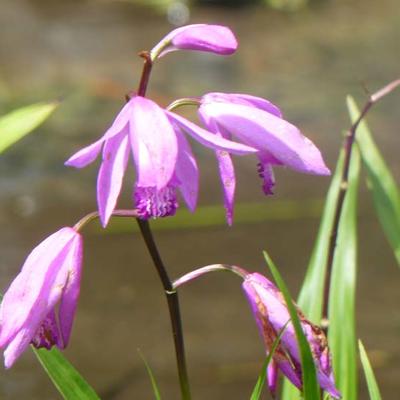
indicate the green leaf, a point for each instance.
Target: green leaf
{"x":153,"y":381}
{"x":311,"y":294}
{"x":65,"y":377}
{"x":310,"y":386}
{"x":385,"y":191}
{"x":256,"y":393}
{"x":373,"y":388}
{"x":18,"y":123}
{"x":342,"y":337}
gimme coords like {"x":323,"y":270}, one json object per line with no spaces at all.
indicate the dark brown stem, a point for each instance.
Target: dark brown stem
{"x":170,"y":292}
{"x":147,"y":66}
{"x":344,"y":183}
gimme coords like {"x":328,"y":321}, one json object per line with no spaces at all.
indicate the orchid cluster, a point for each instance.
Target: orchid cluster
{"x":39,"y":306}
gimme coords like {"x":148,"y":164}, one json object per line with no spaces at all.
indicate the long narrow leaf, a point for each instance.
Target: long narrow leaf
{"x":311,"y":293}
{"x":255,"y":395}
{"x":373,"y":388}
{"x":153,"y":381}
{"x":65,"y":377}
{"x":310,"y":386}
{"x":385,"y":191}
{"x":18,"y":123}
{"x":342,"y":338}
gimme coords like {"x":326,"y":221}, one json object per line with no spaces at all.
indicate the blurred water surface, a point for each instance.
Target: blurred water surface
{"x":85,"y":52}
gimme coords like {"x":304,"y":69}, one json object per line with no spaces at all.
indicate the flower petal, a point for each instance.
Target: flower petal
{"x":111,"y":173}
{"x":244,"y":99}
{"x":228,"y":180}
{"x":202,"y":37}
{"x":85,"y":156}
{"x":89,"y":153}
{"x":267,"y":132}
{"x":187,"y":172}
{"x":209,"y":139}
{"x":272,"y":376}
{"x":34,"y":293}
{"x":71,"y":290}
{"x":154,"y":144}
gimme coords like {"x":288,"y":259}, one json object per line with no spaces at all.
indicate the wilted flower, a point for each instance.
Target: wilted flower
{"x":201,"y":37}
{"x":258,"y":123}
{"x":163,"y":157}
{"x":271,"y":314}
{"x":39,"y":306}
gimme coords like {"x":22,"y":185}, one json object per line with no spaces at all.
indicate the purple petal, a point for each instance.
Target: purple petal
{"x":225,"y":166}
{"x":243,"y":99}
{"x":228,"y":180}
{"x":187,"y":172}
{"x":16,"y":347}
{"x":154,"y":144}
{"x":34,"y":292}
{"x":272,"y":376}
{"x":85,"y":156}
{"x":202,"y":37}
{"x":71,"y":291}
{"x":209,"y":139}
{"x":89,"y":153}
{"x":111,"y":173}
{"x":269,"y":133}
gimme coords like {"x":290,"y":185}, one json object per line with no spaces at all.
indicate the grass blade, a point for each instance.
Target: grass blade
{"x":385,"y":191}
{"x":65,"y":377}
{"x":255,"y":395}
{"x":373,"y":388}
{"x":311,"y":294}
{"x":18,"y":123}
{"x":310,"y":386}
{"x":153,"y":381}
{"x":342,"y":337}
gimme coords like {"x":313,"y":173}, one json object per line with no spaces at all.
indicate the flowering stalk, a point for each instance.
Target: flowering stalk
{"x":171,"y":294}
{"x":347,"y":146}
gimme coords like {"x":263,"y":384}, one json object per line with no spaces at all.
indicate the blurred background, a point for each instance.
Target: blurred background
{"x":305,"y":57}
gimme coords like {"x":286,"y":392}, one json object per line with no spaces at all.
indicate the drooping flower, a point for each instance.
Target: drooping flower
{"x":40,"y":304}
{"x":271,"y":314}
{"x":201,"y":37}
{"x":258,"y":123}
{"x":162,"y":155}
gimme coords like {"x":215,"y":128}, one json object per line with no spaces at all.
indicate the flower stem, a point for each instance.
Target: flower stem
{"x":95,"y":214}
{"x":205,"y":270}
{"x":170,"y":292}
{"x":344,"y":182}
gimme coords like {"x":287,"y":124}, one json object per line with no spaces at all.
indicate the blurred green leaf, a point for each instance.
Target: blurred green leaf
{"x":373,"y":388}
{"x":65,"y":377}
{"x":257,"y":391}
{"x":342,"y":337}
{"x":311,"y":389}
{"x":385,"y":192}
{"x":153,"y":381}
{"x":311,"y":294}
{"x":18,"y":123}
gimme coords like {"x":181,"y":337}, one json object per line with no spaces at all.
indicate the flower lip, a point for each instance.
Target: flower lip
{"x":216,"y":39}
